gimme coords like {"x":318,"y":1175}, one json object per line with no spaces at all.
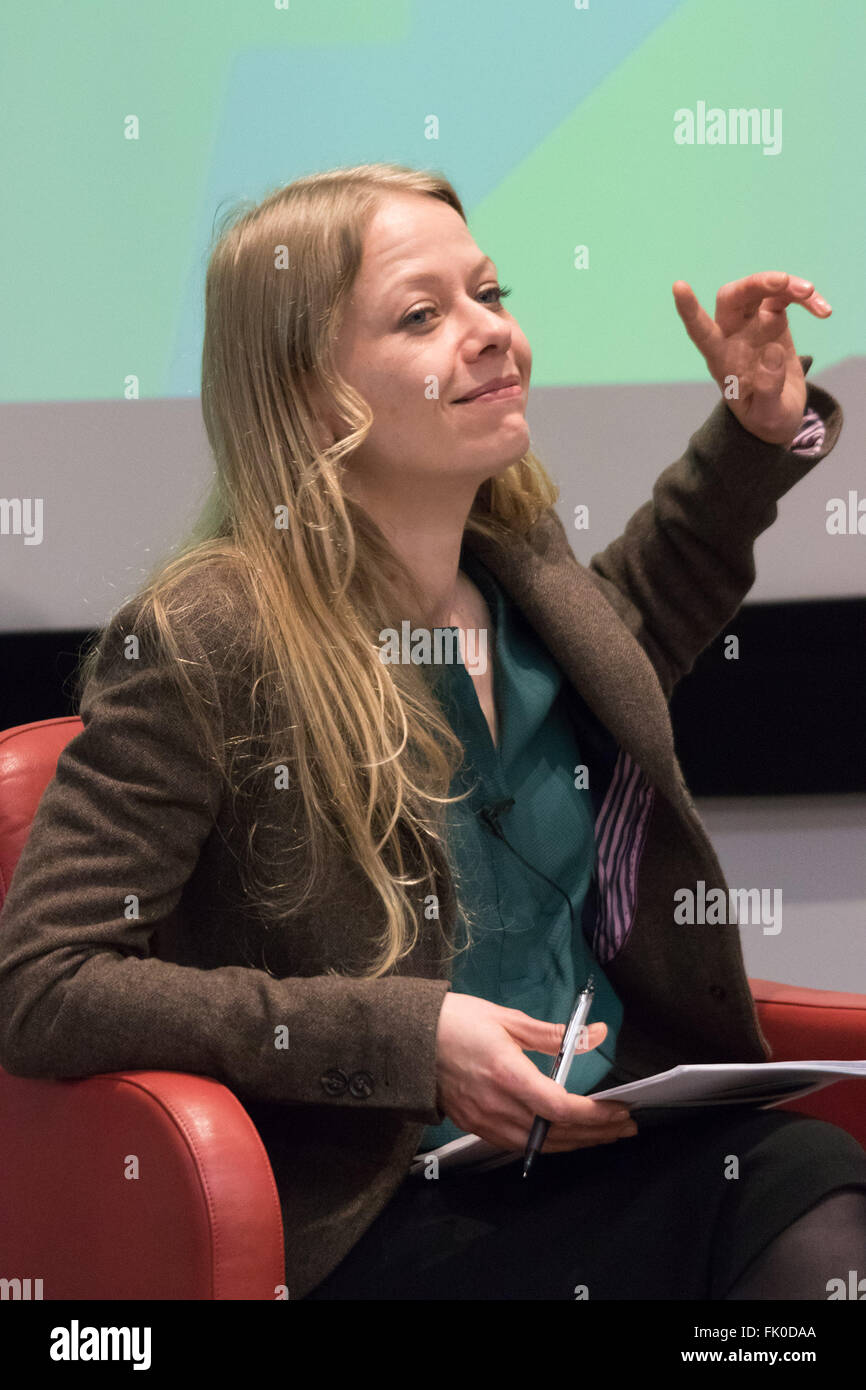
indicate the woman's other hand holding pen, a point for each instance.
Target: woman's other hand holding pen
{"x":489,"y":1087}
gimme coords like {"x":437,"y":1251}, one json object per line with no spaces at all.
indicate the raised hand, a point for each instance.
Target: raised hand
{"x":750,"y":341}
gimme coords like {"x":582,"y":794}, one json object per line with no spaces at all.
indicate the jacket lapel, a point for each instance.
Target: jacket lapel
{"x":588,"y":640}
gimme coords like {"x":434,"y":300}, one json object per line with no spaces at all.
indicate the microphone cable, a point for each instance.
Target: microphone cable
{"x":490,"y":815}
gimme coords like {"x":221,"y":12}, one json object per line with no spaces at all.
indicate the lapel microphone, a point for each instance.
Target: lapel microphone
{"x":490,"y":814}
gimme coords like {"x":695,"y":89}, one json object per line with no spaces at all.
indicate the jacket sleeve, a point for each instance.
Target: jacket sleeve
{"x":115,"y":837}
{"x":685,"y":561}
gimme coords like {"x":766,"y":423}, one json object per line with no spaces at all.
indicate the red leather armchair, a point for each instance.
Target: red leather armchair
{"x":211,"y":1227}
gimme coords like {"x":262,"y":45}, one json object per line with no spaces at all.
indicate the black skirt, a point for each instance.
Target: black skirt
{"x":677,"y":1211}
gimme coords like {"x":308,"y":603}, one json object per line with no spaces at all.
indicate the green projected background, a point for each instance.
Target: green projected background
{"x":556,"y":125}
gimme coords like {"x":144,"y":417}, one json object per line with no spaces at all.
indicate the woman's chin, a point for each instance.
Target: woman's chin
{"x":501,"y":469}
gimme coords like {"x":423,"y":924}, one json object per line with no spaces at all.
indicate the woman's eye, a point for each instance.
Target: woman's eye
{"x":410,"y":321}
{"x":501,"y":292}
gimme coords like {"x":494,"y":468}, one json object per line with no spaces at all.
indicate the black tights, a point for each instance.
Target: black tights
{"x":825,"y":1243}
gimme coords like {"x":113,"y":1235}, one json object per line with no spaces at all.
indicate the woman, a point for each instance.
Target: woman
{"x":276,"y":903}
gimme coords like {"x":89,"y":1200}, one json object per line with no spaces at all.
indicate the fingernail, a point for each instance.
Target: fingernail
{"x":819,"y":302}
{"x":797,"y":283}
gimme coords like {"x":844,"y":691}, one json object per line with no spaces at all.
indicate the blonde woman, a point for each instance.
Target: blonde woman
{"x":406,"y":867}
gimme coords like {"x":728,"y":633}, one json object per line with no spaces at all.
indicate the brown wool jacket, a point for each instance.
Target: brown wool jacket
{"x":194,"y":984}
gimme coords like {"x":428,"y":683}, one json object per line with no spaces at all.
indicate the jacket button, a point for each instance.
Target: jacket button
{"x":718,"y":991}
{"x":361,"y":1084}
{"x":334,"y":1082}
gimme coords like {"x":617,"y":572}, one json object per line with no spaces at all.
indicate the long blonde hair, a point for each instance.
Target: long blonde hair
{"x":369,"y":746}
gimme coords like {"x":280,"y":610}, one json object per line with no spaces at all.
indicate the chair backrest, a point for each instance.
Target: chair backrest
{"x":28,"y":761}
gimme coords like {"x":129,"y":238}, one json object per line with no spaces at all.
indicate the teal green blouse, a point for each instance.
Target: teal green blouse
{"x":527,"y":952}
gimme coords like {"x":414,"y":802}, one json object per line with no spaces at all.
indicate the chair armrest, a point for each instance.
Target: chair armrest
{"x":136,"y":1185}
{"x":811,"y":1025}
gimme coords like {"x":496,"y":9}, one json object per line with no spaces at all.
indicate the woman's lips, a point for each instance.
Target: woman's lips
{"x":505,"y":393}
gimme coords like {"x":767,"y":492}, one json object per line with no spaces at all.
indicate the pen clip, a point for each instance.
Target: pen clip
{"x":571,"y":1036}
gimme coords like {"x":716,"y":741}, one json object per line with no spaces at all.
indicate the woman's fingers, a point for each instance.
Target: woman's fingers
{"x":740,"y":300}
{"x":563,"y":1138}
{"x":565,"y":1141}
{"x":697,"y":322}
{"x":534,"y":1035}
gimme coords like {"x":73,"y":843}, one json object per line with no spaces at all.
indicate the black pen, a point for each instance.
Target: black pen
{"x":561,"y":1067}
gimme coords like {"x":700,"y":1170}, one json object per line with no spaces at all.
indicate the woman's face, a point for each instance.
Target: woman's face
{"x":422,"y":329}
